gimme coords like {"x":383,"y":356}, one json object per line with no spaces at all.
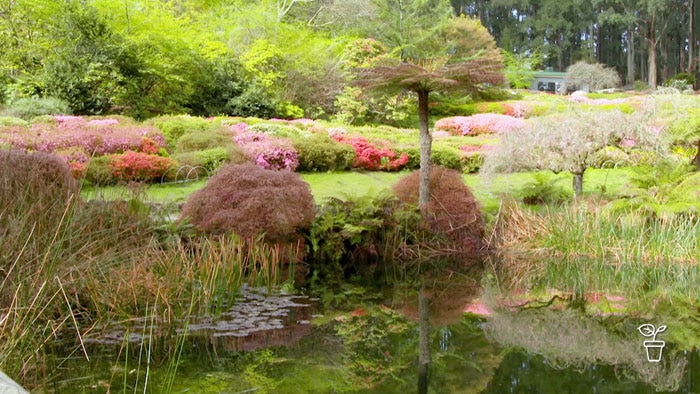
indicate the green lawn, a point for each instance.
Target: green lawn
{"x":354,"y":183}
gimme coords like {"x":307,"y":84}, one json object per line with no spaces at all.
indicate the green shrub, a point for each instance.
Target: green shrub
{"x":681,"y":81}
{"x":321,"y":153}
{"x":349,"y":237}
{"x":447,"y":157}
{"x":213,"y":158}
{"x":28,"y":108}
{"x":6,"y":121}
{"x":643,"y":157}
{"x":544,"y":189}
{"x":611,"y":157}
{"x":640,"y":86}
{"x":202,"y":140}
{"x":441,"y":156}
{"x":99,"y":172}
{"x":472,"y":163}
{"x":249,"y":201}
{"x":413,"y":157}
{"x":277,"y":130}
{"x":174,"y":127}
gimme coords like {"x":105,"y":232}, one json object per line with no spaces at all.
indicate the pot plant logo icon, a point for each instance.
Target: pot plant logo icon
{"x":654,"y":348}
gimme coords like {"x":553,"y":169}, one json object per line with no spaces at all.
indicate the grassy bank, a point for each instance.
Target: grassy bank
{"x":364,"y":183}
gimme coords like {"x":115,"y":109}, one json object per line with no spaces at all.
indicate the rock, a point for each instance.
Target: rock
{"x":9,"y":386}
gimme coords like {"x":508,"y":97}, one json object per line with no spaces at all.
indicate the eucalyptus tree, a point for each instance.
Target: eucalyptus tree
{"x":462,"y":56}
{"x":650,"y":17}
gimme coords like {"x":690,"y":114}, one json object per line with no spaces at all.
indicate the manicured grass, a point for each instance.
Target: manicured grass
{"x":356,"y":183}
{"x":167,"y":193}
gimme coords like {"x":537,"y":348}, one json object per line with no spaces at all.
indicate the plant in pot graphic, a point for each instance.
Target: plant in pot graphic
{"x":654,"y":348}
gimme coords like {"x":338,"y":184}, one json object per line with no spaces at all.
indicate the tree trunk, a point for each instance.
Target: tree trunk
{"x":652,"y":58}
{"x":578,"y":183}
{"x":424,"y":342}
{"x":426,"y":141}
{"x":630,"y":56}
{"x":691,"y":37}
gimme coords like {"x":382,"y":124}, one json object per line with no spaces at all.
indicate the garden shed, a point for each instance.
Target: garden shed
{"x":553,"y":82}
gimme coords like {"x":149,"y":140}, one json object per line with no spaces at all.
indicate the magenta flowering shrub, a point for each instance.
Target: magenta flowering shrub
{"x":371,"y":158}
{"x":95,"y":137}
{"x":268,"y":152}
{"x":479,"y":124}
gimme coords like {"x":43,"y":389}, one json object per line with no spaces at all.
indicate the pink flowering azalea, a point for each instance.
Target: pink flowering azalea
{"x":440,"y":134}
{"x":479,"y":124}
{"x":61,"y":119}
{"x":75,"y":132}
{"x":239,"y":127}
{"x":102,"y":122}
{"x":268,"y":152}
{"x":368,"y":157}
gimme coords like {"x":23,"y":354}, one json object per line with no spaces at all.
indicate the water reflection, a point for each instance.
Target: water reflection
{"x":569,"y":340}
{"x":535,"y":350}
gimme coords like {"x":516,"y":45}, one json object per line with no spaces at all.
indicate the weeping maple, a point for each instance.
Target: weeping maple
{"x":461,"y":56}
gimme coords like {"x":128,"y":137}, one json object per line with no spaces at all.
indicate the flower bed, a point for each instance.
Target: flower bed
{"x":479,"y":124}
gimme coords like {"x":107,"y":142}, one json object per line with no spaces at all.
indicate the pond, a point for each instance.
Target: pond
{"x":287,"y":344}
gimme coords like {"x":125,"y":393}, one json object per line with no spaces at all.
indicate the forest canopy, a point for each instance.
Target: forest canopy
{"x":288,"y":58}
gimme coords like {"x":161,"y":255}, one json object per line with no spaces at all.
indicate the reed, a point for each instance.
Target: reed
{"x":67,"y":266}
{"x":583,"y":247}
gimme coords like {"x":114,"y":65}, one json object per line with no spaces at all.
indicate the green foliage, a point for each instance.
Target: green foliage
{"x":28,"y":108}
{"x":611,"y":157}
{"x":254,"y":101}
{"x":369,"y":338}
{"x":544,"y":188}
{"x":88,"y":68}
{"x":8,"y":121}
{"x":321,"y":153}
{"x":277,"y":130}
{"x":201,"y":140}
{"x":472,"y":163}
{"x":667,"y":189}
{"x":362,"y":52}
{"x":211,"y":159}
{"x":348,"y":238}
{"x":640,"y":86}
{"x":447,"y":157}
{"x":174,"y":127}
{"x":681,"y":81}
{"x":519,"y":68}
{"x":99,"y":172}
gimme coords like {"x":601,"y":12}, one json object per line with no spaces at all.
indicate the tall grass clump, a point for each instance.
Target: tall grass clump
{"x":48,"y":241}
{"x":589,"y":248}
{"x":68,"y":267}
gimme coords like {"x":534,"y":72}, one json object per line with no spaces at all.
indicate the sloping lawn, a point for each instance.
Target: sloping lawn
{"x":355,"y":183}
